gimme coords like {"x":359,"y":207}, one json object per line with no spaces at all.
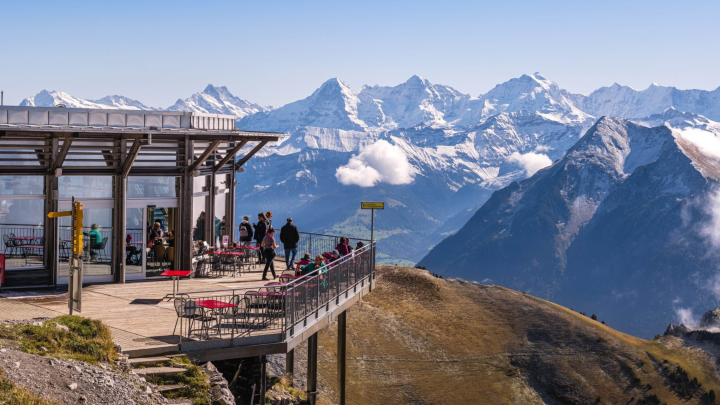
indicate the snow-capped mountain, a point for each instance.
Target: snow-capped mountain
{"x":47,"y":98}
{"x":612,"y":228}
{"x":624,"y":101}
{"x":218,"y":100}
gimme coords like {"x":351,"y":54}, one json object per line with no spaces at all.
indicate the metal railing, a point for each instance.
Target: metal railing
{"x":313,"y":243}
{"x":285,"y":307}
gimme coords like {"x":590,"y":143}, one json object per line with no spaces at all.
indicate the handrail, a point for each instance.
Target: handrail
{"x":318,"y":234}
{"x":296,"y":302}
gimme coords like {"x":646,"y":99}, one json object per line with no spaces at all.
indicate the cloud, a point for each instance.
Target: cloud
{"x":686,"y":317}
{"x":711,"y":230}
{"x":380,"y":162}
{"x":531,"y":161}
{"x":707,"y":142}
{"x":542,"y":148}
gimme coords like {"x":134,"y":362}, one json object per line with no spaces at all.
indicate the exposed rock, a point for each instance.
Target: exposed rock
{"x":61,"y":327}
{"x":676,"y":330}
{"x":710,"y":319}
{"x":73,"y":386}
{"x":219,"y":391}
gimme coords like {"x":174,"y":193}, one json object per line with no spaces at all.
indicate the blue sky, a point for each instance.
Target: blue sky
{"x":275,"y":52}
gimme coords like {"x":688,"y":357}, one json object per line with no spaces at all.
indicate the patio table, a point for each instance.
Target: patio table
{"x":214,"y":304}
{"x":175,"y":275}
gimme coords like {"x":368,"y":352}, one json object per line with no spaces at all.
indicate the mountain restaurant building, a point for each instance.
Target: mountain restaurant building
{"x":131,"y":169}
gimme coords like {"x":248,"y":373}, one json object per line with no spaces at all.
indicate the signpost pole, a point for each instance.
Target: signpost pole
{"x":372,"y":224}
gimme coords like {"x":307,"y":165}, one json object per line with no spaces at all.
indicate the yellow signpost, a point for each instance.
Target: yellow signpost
{"x":75,"y":260}
{"x":368,"y":205}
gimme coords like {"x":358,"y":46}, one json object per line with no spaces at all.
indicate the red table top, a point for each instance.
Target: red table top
{"x":214,"y":304}
{"x":176,"y":273}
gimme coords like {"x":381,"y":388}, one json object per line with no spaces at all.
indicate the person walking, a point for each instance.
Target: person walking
{"x":268,"y":246}
{"x":261,"y":229}
{"x":289,"y":236}
{"x":246,"y":231}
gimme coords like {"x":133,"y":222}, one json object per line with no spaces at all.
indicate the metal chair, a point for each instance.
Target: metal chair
{"x":159,"y":252}
{"x":238,"y":313}
{"x":185,"y":309}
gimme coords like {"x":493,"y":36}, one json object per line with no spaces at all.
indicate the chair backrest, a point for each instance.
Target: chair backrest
{"x":191,"y":308}
{"x":103,"y":243}
{"x":6,"y":239}
{"x":159,"y":250}
{"x":12,"y":235}
{"x":286,"y":278}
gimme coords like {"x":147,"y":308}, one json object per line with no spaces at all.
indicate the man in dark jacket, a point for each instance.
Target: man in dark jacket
{"x":289,"y":236}
{"x":246,"y":231}
{"x":261,"y":229}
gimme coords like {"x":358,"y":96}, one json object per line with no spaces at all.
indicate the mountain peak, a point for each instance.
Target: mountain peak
{"x":417,"y":80}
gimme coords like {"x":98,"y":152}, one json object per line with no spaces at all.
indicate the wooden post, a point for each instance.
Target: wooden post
{"x":263,"y":379}
{"x":341,"y":356}
{"x":186,"y":209}
{"x":312,"y":369}
{"x":51,"y":242}
{"x":118,"y":232}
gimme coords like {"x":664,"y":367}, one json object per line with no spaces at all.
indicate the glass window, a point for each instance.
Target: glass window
{"x":199,"y":184}
{"x":22,"y":218}
{"x":148,"y":187}
{"x":22,"y":185}
{"x":86,"y":186}
{"x":220,"y":206}
{"x":199,"y":206}
{"x":98,"y":242}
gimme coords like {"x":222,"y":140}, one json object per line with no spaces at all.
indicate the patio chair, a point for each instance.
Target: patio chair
{"x":286,"y":278}
{"x":185,"y":309}
{"x":256,"y":309}
{"x":238,"y":313}
{"x":159,"y":252}
{"x":202,"y":315}
{"x":9,"y":245}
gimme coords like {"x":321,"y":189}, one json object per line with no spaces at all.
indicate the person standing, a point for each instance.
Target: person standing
{"x":268,"y":217}
{"x":268,"y":246}
{"x":289,"y":236}
{"x":246,"y":231}
{"x":261,"y":229}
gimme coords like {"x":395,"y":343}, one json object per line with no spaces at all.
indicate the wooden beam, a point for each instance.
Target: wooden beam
{"x":60,"y":158}
{"x":250,"y":154}
{"x":210,"y":149}
{"x":229,"y":156}
{"x":132,"y":155}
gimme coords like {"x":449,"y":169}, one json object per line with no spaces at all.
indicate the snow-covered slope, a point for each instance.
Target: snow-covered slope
{"x":218,"y":100}
{"x":612,"y":228}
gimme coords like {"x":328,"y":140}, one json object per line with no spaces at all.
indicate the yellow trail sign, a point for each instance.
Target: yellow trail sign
{"x":372,"y":205}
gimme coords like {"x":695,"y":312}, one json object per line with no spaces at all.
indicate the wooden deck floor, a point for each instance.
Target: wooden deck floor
{"x":134,"y":311}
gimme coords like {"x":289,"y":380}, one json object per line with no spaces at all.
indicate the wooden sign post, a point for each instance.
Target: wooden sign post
{"x":372,"y":206}
{"x":75,"y":261}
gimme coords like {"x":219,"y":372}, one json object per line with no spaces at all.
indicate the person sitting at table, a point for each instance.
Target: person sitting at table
{"x":343,"y":248}
{"x":306,"y":258}
{"x":95,"y":240}
{"x":309,"y":268}
{"x":155,"y":233}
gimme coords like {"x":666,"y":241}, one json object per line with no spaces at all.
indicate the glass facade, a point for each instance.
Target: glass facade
{"x":85,"y":186}
{"x":220,"y":207}
{"x":199,"y":206}
{"x":22,"y":220}
{"x":153,"y":187}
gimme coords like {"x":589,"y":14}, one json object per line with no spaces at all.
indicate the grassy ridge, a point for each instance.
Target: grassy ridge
{"x":84,"y":340}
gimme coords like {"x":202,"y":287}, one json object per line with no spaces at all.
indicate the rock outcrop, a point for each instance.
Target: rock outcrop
{"x":710,"y":319}
{"x":219,"y":391}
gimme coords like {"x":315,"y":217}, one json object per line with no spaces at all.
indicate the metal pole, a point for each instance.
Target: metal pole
{"x":2,"y":98}
{"x":263,"y":379}
{"x":341,"y":356}
{"x":312,"y":369}
{"x":372,"y":224}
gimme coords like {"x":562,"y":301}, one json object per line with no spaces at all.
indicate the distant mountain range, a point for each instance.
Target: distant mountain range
{"x":460,"y":148}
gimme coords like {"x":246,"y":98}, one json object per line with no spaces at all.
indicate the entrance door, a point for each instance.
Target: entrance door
{"x":98,"y":241}
{"x":147,"y":254}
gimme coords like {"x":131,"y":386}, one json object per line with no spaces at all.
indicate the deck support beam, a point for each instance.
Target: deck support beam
{"x":229,"y":156}
{"x":312,"y":369}
{"x":290,"y":365}
{"x":263,"y":378}
{"x":201,"y":160}
{"x":249,"y":155}
{"x":341,"y":356}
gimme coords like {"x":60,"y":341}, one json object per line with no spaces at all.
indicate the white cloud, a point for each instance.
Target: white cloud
{"x":531,"y":161}
{"x":707,"y":142}
{"x":379,"y":162}
{"x":685,"y":317}
{"x":711,"y":230}
{"x":542,"y":148}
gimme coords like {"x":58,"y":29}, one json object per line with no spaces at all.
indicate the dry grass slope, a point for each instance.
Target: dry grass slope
{"x":418,"y":339}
